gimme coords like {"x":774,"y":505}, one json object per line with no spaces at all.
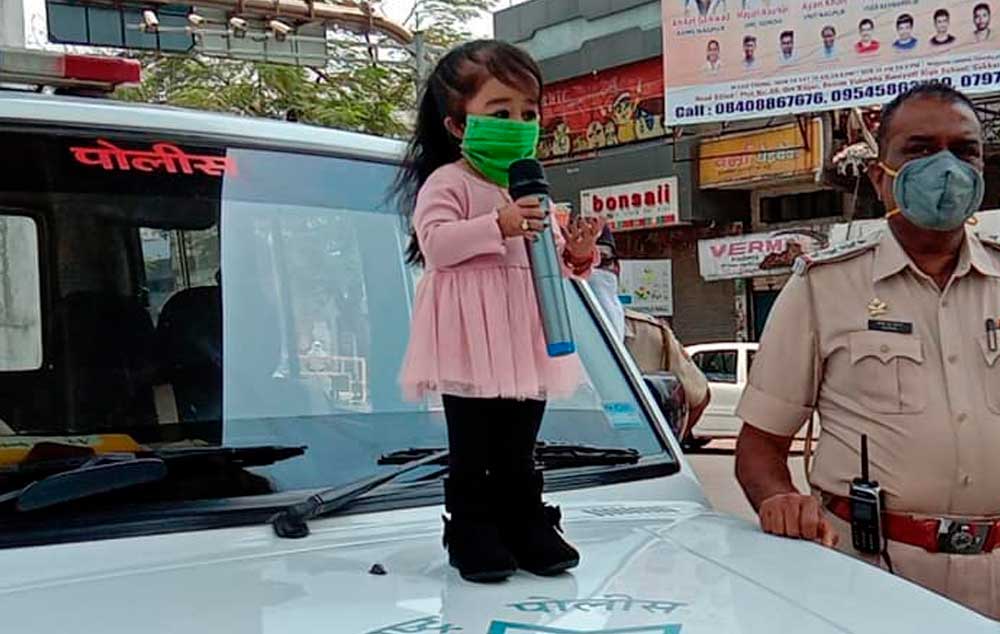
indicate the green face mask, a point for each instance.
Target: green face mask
{"x":490,"y":145}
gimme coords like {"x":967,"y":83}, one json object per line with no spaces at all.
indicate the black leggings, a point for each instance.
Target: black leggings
{"x":491,"y":435}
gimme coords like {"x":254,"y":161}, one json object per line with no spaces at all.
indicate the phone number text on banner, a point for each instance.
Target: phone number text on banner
{"x":825,"y":91}
{"x":740,"y":59}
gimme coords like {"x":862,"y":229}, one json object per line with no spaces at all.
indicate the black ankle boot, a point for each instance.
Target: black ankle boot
{"x":531,"y":529}
{"x":471,"y":535}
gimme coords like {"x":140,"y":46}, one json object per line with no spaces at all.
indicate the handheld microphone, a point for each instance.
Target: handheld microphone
{"x":527,"y":178}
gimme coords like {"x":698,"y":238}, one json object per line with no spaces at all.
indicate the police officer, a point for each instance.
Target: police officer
{"x":604,"y":281}
{"x":894,"y":337}
{"x":655,"y":348}
{"x":651,"y":342}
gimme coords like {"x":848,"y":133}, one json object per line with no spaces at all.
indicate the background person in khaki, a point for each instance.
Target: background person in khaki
{"x":887,"y":338}
{"x":650,"y":341}
{"x":655,"y":348}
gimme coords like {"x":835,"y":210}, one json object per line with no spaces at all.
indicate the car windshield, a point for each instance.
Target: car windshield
{"x":163,"y":294}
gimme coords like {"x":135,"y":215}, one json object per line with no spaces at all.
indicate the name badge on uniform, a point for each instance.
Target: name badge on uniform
{"x":898,"y":327}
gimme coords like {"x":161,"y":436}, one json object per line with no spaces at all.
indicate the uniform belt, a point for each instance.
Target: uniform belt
{"x":935,"y":535}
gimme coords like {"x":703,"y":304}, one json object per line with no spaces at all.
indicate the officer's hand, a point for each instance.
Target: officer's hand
{"x":797,"y":516}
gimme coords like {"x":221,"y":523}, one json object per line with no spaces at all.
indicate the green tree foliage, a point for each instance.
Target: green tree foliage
{"x":445,"y":21}
{"x":354,"y":92}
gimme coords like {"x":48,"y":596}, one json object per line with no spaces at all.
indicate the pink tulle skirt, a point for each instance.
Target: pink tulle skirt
{"x":476,"y":332}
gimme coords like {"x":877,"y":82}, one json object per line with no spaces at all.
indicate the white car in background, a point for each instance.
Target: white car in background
{"x":727,"y":368}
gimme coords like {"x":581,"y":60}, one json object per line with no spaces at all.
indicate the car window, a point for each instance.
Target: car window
{"x":20,"y":307}
{"x":175,"y":260}
{"x":750,"y":355}
{"x":719,"y":366}
{"x":314,"y":276}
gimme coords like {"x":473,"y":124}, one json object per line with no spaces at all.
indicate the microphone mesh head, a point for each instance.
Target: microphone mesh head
{"x":527,"y":177}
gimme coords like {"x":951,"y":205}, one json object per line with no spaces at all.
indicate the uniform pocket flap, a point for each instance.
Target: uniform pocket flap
{"x":991,"y":355}
{"x":885,"y":347}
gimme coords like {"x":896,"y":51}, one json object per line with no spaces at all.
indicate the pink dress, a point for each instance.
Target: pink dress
{"x":476,"y":330}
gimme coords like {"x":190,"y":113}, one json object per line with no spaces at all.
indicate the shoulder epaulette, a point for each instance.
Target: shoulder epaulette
{"x":839,"y":252}
{"x":636,"y":315}
{"x":992,"y":241}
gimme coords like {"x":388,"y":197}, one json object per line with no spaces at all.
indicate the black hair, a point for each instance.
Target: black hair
{"x":982,"y":6}
{"x":749,"y":38}
{"x":942,"y":13}
{"x":607,"y":238}
{"x":457,"y":77}
{"x":933,"y":90}
{"x":906,"y":18}
{"x":716,"y":42}
{"x":829,"y":28}
{"x":867,"y":21}
{"x":785,"y":34}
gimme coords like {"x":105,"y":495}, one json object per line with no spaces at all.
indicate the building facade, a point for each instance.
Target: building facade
{"x":747,"y":197}
{"x":605,"y":142}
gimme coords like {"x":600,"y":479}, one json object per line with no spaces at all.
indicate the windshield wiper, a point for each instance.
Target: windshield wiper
{"x":70,"y":479}
{"x":547,"y":455}
{"x":292,"y":522}
{"x":102,"y":474}
{"x":566,"y":456}
{"x":253,"y":456}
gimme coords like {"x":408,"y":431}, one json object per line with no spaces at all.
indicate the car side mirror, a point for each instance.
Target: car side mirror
{"x":669,"y":396}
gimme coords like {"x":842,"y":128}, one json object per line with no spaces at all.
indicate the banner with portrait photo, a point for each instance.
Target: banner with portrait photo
{"x":744,"y":59}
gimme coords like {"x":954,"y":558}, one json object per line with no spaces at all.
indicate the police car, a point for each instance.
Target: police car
{"x":201,"y":324}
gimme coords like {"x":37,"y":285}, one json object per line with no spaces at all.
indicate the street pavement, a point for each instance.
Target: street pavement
{"x":715,"y":469}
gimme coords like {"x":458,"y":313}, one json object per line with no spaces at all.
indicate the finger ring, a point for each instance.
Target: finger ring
{"x":525,"y":225}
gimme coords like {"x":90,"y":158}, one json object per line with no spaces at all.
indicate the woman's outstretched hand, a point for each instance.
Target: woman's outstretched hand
{"x":581,"y":237}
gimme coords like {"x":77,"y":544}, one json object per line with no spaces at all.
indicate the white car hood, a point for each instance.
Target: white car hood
{"x":647,"y":569}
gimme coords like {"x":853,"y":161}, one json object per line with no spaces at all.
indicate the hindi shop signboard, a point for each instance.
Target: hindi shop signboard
{"x":756,"y":254}
{"x":748,"y":157}
{"x":761,"y":58}
{"x":643,"y":205}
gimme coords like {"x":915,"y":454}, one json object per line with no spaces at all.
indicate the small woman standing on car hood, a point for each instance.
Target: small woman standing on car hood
{"x":476,"y":337}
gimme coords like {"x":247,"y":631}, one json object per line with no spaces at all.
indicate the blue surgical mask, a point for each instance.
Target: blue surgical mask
{"x":938,"y":192}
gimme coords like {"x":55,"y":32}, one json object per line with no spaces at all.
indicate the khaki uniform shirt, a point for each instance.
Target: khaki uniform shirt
{"x":655,"y":348}
{"x":871,"y":342}
{"x":929,"y":399}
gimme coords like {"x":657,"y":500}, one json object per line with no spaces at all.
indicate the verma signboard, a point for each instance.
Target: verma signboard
{"x":782,"y":152}
{"x":763,"y":58}
{"x":642,"y":205}
{"x":756,"y":254}
{"x":764,"y":254}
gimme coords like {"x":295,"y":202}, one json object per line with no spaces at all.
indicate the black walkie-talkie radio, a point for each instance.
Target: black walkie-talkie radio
{"x":866,"y":508}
